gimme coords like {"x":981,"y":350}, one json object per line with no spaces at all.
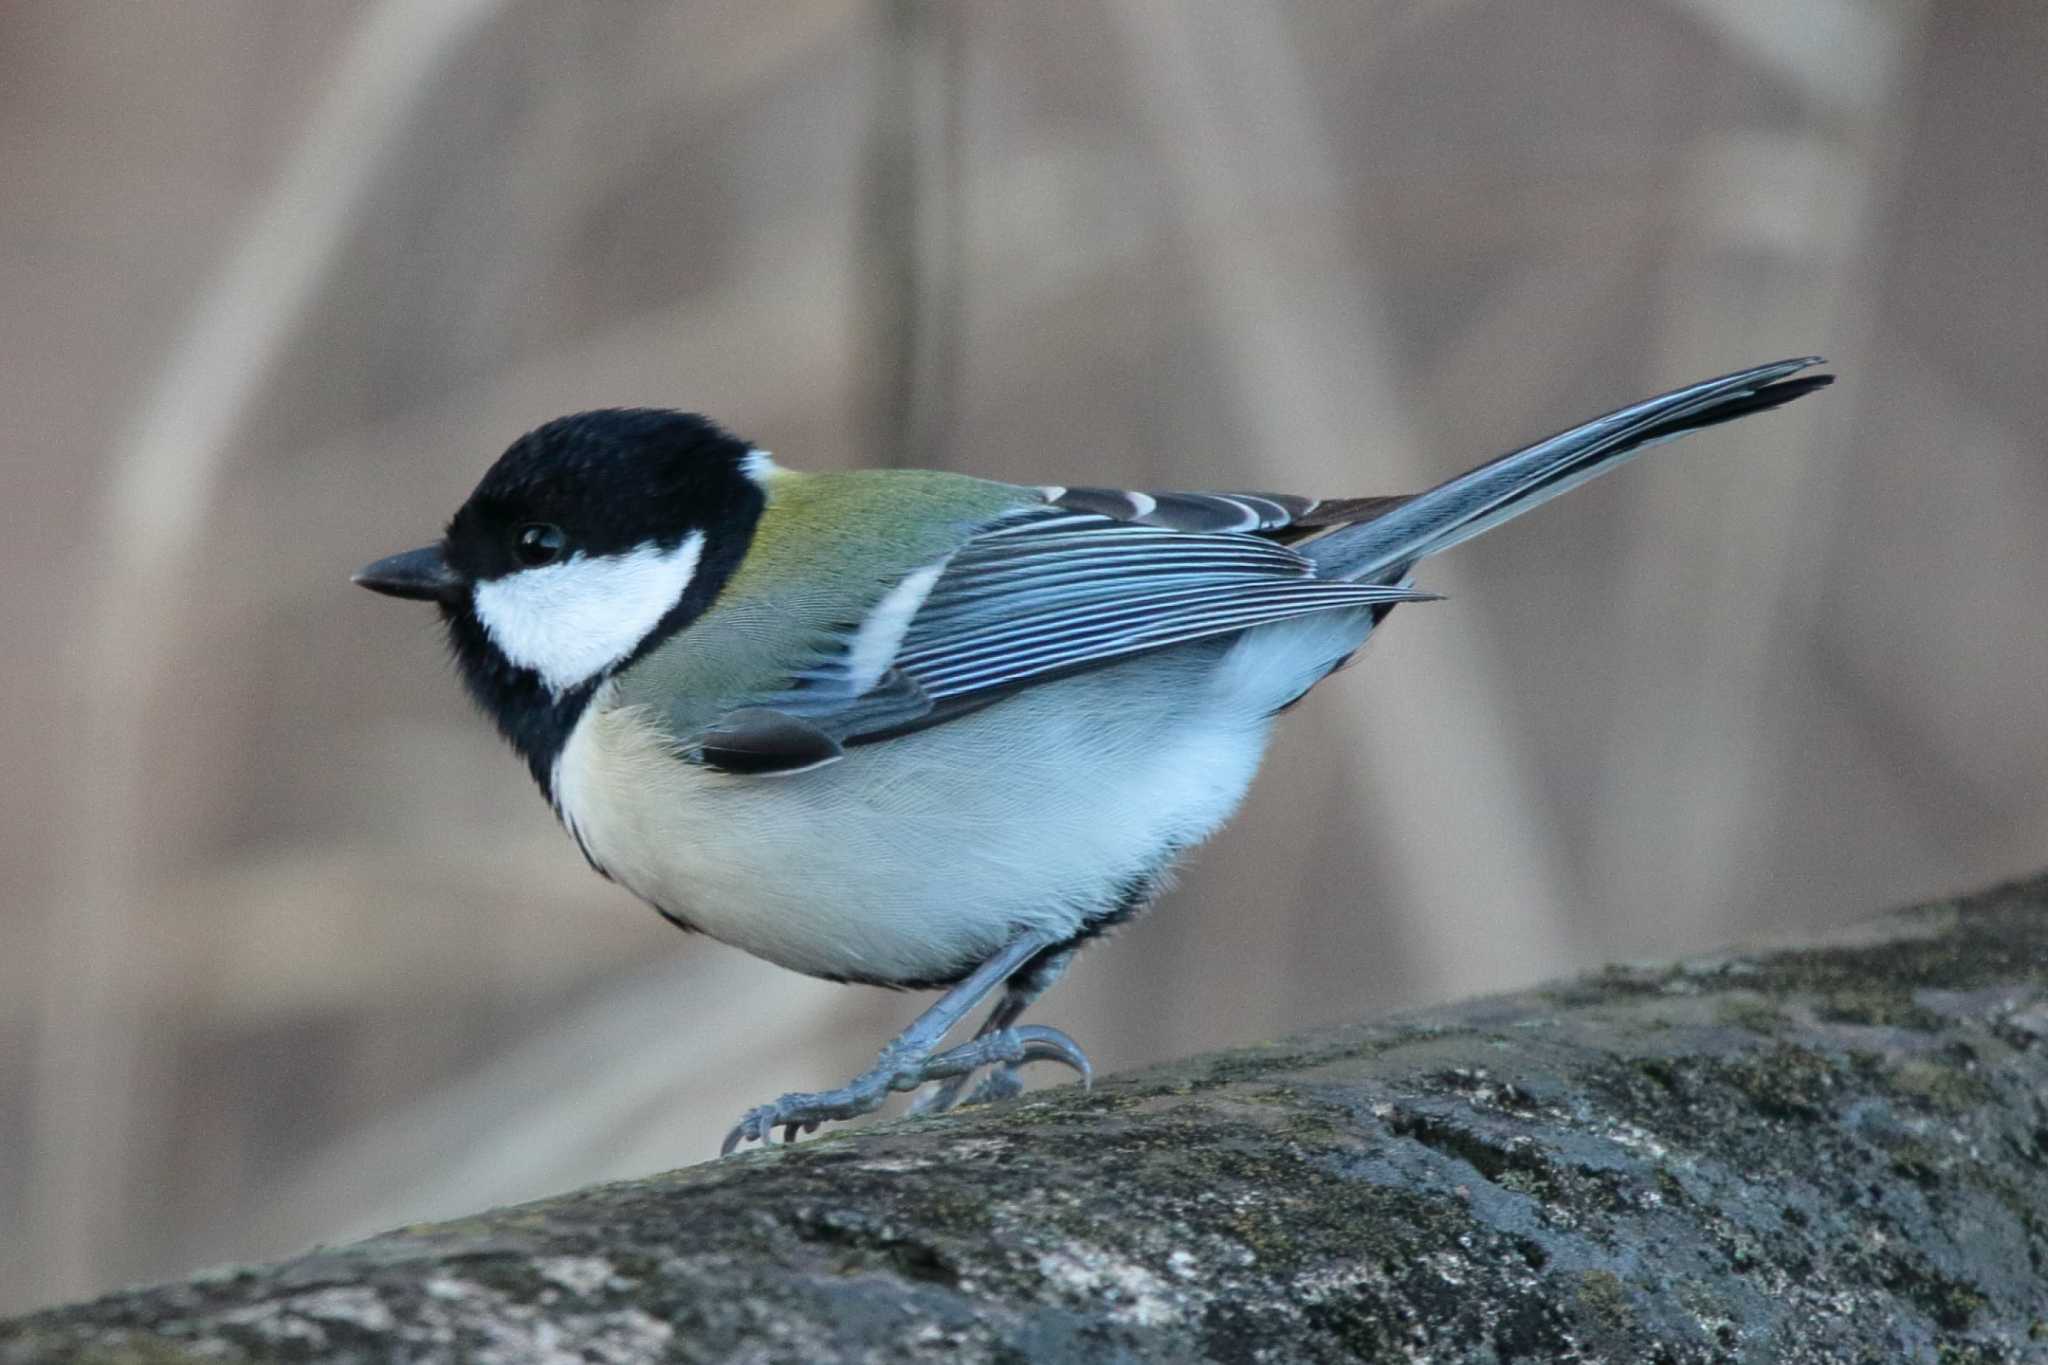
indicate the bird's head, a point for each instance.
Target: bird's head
{"x":590,"y":541}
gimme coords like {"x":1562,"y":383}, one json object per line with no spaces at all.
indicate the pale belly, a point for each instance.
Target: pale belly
{"x":914,"y":859}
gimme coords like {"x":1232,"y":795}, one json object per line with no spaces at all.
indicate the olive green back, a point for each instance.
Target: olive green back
{"x":828,"y":547}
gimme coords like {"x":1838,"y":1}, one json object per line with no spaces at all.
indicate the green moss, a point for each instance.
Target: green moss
{"x":1939,"y":1084}
{"x":1951,"y":1302}
{"x":125,"y":1348}
{"x":1787,"y":1082}
{"x":1346,"y":1217}
{"x":1612,"y":982}
{"x":1882,"y":1006}
{"x":1518,"y":1166}
{"x":1265,"y":1060}
{"x":1918,"y":1162}
{"x":1603,"y":1301}
{"x":1314,"y":1129}
{"x":1751,"y":1012}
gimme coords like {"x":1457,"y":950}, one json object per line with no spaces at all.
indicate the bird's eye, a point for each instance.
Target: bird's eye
{"x":538,"y":543}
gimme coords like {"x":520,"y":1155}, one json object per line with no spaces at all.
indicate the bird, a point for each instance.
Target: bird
{"x":918,"y":729}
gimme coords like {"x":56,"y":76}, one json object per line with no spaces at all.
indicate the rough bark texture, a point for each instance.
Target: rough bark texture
{"x":1837,"y":1153}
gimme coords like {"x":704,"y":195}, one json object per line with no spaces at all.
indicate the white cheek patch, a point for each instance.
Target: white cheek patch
{"x":570,"y":621}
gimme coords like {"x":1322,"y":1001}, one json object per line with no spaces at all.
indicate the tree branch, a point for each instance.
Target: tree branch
{"x":1833,"y":1153}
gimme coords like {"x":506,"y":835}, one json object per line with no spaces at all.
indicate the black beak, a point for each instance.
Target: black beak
{"x":422,"y":575}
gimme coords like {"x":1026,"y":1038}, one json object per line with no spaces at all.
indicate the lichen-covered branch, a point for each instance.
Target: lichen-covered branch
{"x":1835,"y":1153}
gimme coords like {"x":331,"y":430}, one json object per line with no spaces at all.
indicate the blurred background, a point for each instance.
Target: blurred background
{"x":290,"y":949}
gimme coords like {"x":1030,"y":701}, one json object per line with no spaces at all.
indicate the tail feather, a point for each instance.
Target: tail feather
{"x":1481,"y":499}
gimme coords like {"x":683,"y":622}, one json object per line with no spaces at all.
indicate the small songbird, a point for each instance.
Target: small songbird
{"x":916,"y":729}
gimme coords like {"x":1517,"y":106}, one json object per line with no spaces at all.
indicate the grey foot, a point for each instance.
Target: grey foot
{"x":942,"y":1096}
{"x":1008,"y":1048}
{"x":1003,"y":1082}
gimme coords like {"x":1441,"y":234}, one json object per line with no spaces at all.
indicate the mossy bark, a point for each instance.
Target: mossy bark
{"x":1837,"y":1153}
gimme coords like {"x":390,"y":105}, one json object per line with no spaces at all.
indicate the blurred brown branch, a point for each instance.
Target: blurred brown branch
{"x":1834,"y":1152}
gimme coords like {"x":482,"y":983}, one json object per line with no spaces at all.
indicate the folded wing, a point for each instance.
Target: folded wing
{"x":1053,"y":590}
{"x":1062,"y":591}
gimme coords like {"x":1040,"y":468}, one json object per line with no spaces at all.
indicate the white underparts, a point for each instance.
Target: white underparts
{"x":570,"y":621}
{"x":912,"y":857}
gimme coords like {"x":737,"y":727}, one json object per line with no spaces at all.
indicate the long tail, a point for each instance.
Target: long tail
{"x":1389,"y":545}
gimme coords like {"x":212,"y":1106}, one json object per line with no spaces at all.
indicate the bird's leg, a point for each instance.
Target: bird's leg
{"x":913,"y":1057}
{"x":1022,"y":992}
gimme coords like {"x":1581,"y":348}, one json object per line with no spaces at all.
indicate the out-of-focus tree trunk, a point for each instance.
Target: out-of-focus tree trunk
{"x":1831,"y":1153}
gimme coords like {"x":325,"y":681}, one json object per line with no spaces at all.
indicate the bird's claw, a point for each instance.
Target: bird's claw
{"x":794,"y":1114}
{"x":1009,"y":1049}
{"x":1013,"y":1047}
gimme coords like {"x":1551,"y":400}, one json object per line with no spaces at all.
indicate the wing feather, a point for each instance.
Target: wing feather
{"x":1057,"y":593}
{"x":1085,"y":579}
